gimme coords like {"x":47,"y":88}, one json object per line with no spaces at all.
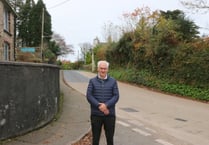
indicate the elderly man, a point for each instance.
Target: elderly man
{"x":102,"y":94}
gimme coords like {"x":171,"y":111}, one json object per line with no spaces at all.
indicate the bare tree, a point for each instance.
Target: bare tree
{"x":60,"y":42}
{"x":85,"y":48}
{"x":196,"y":5}
{"x":132,"y":19}
{"x":111,"y":32}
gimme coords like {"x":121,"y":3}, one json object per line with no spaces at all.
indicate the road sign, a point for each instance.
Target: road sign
{"x":28,"y":49}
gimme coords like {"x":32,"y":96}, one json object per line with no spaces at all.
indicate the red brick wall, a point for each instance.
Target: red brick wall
{"x":4,"y":36}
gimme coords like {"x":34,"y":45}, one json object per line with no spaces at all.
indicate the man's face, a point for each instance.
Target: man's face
{"x":102,"y":70}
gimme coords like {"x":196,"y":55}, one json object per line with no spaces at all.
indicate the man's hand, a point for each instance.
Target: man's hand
{"x":103,"y":108}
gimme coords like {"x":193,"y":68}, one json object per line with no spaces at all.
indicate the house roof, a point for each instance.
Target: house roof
{"x":9,"y":6}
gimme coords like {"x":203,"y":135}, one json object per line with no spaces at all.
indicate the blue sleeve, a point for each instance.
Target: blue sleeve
{"x":91,"y":99}
{"x":115,"y":97}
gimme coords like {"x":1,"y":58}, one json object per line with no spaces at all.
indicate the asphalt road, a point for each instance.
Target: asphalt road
{"x":146,"y":117}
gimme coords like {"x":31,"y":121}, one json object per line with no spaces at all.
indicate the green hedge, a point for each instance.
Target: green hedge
{"x":146,"y":78}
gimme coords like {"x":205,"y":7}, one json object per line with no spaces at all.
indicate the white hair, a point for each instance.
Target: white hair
{"x":103,"y":61}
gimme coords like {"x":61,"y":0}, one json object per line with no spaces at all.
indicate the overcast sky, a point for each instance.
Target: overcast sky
{"x":80,"y":21}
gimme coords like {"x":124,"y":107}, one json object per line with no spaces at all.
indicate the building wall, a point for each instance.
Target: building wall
{"x":1,"y":29}
{"x":29,"y":97}
{"x":5,"y":36}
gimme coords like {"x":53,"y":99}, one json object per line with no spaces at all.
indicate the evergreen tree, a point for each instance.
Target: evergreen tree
{"x":30,"y":24}
{"x":23,"y":24}
{"x":186,"y":28}
{"x":29,"y":29}
{"x":36,"y":24}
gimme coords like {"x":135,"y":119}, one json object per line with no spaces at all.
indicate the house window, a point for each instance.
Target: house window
{"x":6,"y":20}
{"x":6,"y":51}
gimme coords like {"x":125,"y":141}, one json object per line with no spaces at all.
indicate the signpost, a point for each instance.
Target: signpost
{"x":28,"y":49}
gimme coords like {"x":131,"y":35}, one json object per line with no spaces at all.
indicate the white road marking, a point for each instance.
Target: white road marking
{"x":163,"y":142}
{"x":123,"y":123}
{"x":135,"y":122}
{"x":141,"y":132}
{"x":151,"y":130}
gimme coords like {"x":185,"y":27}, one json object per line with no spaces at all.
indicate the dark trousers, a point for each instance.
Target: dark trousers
{"x":109,"y":127}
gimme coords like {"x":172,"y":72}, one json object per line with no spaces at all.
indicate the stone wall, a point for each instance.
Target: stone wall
{"x":29,"y":95}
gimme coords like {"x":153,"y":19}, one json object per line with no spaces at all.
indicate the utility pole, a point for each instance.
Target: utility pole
{"x":78,"y":55}
{"x":42,"y":35}
{"x":95,"y":43}
{"x":92,"y":61}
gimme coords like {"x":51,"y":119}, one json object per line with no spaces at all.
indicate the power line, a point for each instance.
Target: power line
{"x":61,"y":3}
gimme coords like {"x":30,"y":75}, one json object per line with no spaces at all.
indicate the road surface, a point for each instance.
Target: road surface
{"x":146,"y":117}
